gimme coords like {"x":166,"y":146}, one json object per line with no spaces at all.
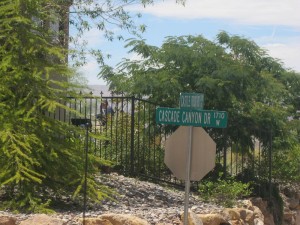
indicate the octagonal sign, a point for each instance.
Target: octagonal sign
{"x":203,"y":153}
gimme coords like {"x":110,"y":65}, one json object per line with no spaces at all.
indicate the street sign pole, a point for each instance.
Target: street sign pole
{"x":188,"y":176}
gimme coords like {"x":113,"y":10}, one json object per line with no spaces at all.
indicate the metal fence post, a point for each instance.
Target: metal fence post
{"x":270,"y":164}
{"x":224,"y":153}
{"x":87,"y":125}
{"x":132,"y":137}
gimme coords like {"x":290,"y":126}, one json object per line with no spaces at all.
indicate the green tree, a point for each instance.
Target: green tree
{"x":234,"y":73}
{"x":38,"y":155}
{"x":41,"y":157}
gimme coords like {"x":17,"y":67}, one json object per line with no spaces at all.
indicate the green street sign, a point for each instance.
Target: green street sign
{"x":192,"y":117}
{"x":191,"y":101}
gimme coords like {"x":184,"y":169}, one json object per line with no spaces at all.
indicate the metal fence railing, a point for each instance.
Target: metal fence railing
{"x":135,"y":143}
{"x":129,"y":136}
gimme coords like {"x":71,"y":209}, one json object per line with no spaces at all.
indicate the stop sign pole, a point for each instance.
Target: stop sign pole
{"x":188,"y":177}
{"x":190,"y":114}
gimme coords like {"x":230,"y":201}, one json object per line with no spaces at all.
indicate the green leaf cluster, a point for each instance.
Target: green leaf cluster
{"x":225,"y":192}
{"x":286,"y":164}
{"x":40,"y":156}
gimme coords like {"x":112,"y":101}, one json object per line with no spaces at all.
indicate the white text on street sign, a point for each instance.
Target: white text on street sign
{"x":196,"y":118}
{"x":191,"y":101}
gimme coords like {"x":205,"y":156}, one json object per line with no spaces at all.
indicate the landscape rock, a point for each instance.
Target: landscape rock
{"x":258,"y":221}
{"x":121,"y":219}
{"x":193,"y":219}
{"x":269,"y":220}
{"x":292,"y":203}
{"x":42,"y":219}
{"x":7,"y":220}
{"x":96,"y":221}
{"x":231,"y":214}
{"x":246,"y":204}
{"x":247,"y":216}
{"x":291,"y":198}
{"x":298,"y":217}
{"x":263,"y":206}
{"x":212,"y":219}
{"x":257,"y":213}
{"x":236,"y":222}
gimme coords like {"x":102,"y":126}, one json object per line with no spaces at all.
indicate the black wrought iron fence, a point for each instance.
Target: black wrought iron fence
{"x":129,"y":136}
{"x":135,"y":143}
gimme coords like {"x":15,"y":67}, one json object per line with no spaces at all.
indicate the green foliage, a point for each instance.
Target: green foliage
{"x":39,"y":159}
{"x":233,"y":73}
{"x":286,"y":164}
{"x":31,"y":203}
{"x":225,"y":192}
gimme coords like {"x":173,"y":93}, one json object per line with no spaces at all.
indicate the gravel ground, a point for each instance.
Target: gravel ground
{"x":152,"y":202}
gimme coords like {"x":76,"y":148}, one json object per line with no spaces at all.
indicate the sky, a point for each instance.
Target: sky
{"x":272,"y":24}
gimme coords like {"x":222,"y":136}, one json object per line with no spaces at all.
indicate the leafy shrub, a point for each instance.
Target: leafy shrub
{"x":286,"y":164}
{"x":224,"y":191}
